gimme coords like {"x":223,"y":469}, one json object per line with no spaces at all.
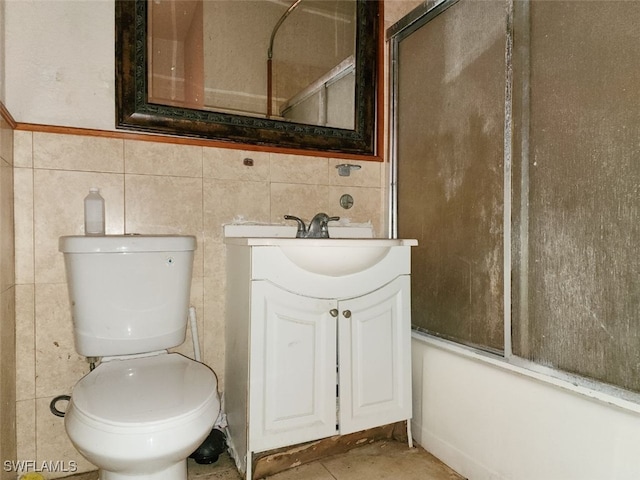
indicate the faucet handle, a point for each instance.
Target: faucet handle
{"x":324,"y":224}
{"x":302,"y":229}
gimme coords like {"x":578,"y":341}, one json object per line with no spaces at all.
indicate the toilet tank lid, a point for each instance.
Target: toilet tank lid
{"x":126,"y":243}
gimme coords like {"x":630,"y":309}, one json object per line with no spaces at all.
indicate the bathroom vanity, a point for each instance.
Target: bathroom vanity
{"x":317,"y":339}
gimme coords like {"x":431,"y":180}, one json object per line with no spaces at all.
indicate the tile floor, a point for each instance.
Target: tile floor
{"x":384,"y":460}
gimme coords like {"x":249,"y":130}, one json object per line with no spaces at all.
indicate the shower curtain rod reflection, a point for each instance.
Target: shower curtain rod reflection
{"x":270,"y":54}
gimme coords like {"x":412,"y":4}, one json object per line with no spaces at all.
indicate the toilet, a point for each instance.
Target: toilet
{"x":142,"y":411}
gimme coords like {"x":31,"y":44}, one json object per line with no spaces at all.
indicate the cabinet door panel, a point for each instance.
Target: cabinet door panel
{"x":375,"y":358}
{"x":293,"y":368}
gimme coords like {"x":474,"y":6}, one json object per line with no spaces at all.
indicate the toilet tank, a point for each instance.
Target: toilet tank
{"x":129,"y":293}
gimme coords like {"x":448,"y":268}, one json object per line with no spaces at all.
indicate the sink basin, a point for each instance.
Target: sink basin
{"x":334,"y":257}
{"x":337,"y":257}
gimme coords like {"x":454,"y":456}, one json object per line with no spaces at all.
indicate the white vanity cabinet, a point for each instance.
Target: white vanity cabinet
{"x":309,"y":356}
{"x":292,"y":396}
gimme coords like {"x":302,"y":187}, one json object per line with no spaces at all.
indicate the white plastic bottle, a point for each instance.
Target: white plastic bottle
{"x":94,"y":213}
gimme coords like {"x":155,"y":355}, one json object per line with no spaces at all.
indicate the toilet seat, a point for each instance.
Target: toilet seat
{"x":145,"y":392}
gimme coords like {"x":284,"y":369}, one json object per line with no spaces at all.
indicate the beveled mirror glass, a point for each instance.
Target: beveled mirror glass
{"x":285,"y":73}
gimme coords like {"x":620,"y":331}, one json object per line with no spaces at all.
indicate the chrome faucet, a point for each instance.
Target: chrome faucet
{"x":318,"y":227}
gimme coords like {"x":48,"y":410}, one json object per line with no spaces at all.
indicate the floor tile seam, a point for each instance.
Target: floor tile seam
{"x":322,"y":463}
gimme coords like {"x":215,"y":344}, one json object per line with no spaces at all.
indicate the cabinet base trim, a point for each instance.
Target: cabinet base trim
{"x":275,"y":461}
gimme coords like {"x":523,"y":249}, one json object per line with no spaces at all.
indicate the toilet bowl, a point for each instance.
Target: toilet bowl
{"x":142,"y":411}
{"x":141,"y":417}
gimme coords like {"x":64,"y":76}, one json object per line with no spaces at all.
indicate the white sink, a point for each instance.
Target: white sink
{"x":337,"y":257}
{"x":333,"y":257}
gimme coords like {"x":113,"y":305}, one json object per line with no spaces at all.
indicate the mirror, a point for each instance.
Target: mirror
{"x":299,"y":74}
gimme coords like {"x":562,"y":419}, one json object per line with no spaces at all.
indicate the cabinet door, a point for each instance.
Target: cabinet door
{"x":293,"y":368}
{"x":374,"y":352}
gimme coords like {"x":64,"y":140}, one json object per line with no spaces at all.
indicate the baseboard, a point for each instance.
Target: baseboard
{"x":275,"y":461}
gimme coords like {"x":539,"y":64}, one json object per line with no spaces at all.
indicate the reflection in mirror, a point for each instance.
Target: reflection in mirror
{"x":291,"y":73}
{"x":288,"y":60}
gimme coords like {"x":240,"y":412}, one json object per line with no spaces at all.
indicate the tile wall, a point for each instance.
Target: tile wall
{"x":7,"y":303}
{"x":148,"y":188}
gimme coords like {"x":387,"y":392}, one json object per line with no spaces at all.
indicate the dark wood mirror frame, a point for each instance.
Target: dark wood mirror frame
{"x":134,"y":112}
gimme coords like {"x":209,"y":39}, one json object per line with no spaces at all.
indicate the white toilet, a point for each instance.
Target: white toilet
{"x":142,"y":411}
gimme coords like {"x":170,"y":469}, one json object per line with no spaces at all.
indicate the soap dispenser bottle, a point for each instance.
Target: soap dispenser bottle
{"x":94,"y":213}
